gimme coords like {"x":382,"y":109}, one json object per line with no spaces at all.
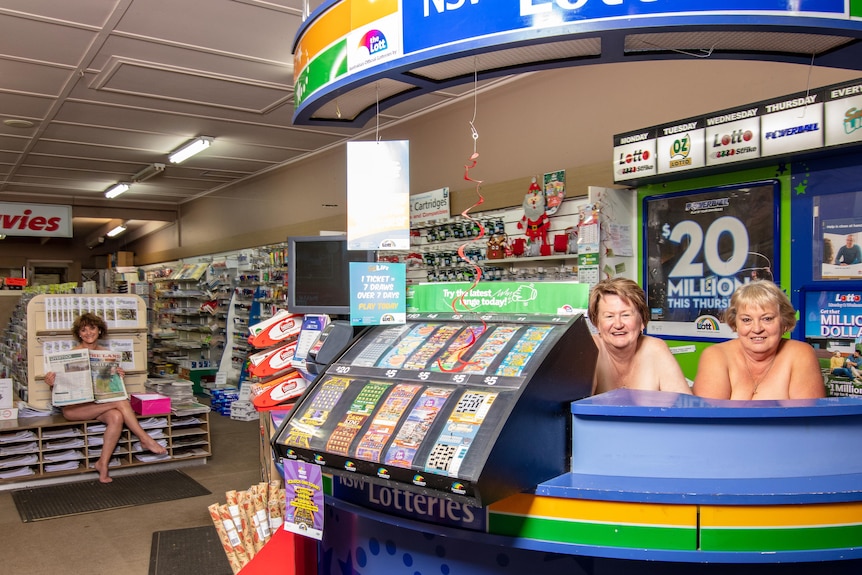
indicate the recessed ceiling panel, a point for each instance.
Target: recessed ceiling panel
{"x":503,"y":59}
{"x":33,"y":78}
{"x":183,"y":55}
{"x":700,"y":43}
{"x":44,"y":41}
{"x":168,"y":83}
{"x":349,"y":105}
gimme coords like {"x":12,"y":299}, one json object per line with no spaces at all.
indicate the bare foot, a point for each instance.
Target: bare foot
{"x":151,"y":444}
{"x":103,"y":472}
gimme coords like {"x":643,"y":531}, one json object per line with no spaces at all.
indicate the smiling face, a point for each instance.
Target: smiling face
{"x":759,"y":329}
{"x":89,"y":335}
{"x":619,"y":322}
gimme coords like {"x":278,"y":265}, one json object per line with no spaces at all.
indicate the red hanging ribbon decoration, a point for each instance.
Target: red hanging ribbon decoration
{"x":460,"y":363}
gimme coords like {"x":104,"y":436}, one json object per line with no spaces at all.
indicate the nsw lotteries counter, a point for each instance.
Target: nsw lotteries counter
{"x":510,"y":466}
{"x":658,"y":482}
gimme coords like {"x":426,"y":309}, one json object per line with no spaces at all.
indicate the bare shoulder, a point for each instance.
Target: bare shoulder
{"x":717,"y":351}
{"x":713,"y":371}
{"x":653,"y":344}
{"x":796,"y":351}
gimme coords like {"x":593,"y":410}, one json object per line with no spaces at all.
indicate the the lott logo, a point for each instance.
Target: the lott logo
{"x":374,"y":41}
{"x":679,"y":152}
{"x":706,"y":323}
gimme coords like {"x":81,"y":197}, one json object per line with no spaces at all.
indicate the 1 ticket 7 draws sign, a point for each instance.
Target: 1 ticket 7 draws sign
{"x":701,"y":246}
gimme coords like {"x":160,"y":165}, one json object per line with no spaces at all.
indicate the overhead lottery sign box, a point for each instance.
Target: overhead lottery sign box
{"x":634,"y":155}
{"x":794,"y":126}
{"x":843,"y":110}
{"x":732,"y":136}
{"x":791,"y":125}
{"x":680,"y":147}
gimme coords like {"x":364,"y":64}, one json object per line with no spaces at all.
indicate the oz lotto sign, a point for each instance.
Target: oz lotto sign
{"x":701,"y":246}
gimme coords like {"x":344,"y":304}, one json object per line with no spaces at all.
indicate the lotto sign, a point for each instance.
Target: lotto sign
{"x":833,"y":315}
{"x":634,"y":155}
{"x":680,"y":147}
{"x":732,"y":137}
{"x":701,"y":247}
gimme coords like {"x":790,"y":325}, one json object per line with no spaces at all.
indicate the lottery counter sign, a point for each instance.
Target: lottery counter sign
{"x":701,"y":246}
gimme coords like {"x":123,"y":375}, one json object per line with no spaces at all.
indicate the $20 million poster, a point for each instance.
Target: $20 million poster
{"x":701,"y":246}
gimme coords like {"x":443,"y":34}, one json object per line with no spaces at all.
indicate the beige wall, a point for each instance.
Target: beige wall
{"x":536,"y":123}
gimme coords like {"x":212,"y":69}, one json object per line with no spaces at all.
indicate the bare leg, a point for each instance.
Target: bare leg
{"x":84,"y":411}
{"x":113,"y":421}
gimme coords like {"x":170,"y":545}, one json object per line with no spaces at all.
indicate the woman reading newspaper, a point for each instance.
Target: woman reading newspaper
{"x":87,"y":329}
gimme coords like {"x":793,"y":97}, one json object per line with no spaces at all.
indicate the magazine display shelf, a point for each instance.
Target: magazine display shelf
{"x":182,"y":331}
{"x":43,"y":329}
{"x":52,"y":436}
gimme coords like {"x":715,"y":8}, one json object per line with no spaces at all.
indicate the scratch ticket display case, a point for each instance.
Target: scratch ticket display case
{"x":465,"y":409}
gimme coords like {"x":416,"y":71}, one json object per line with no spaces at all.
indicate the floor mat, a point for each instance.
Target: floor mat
{"x":52,"y":501}
{"x":193,"y":551}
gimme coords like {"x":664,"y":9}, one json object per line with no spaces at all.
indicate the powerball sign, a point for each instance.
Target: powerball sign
{"x":701,"y":246}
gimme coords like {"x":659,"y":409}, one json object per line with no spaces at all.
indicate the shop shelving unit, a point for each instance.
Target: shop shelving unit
{"x":29,"y":447}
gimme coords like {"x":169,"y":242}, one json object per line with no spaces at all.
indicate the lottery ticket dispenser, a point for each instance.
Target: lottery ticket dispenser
{"x":469,"y":409}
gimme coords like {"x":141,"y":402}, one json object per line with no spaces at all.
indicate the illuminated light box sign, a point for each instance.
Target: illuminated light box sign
{"x":803,"y":122}
{"x":437,"y":22}
{"x":843,"y":108}
{"x":342,"y":43}
{"x":35,"y":220}
{"x":680,"y":147}
{"x":792,"y":125}
{"x":634,"y":155}
{"x":733,"y":136}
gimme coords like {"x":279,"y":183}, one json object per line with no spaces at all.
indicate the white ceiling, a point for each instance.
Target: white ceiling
{"x":111,"y":86}
{"x":105,"y":88}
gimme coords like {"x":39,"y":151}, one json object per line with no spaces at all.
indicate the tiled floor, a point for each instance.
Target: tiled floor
{"x":118,"y":542}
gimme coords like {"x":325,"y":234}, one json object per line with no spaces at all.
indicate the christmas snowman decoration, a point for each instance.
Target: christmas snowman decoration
{"x":535,"y":222}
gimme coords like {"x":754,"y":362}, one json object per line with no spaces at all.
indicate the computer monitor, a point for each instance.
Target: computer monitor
{"x":319,"y":274}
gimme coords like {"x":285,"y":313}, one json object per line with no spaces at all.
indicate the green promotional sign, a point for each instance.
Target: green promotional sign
{"x":552,"y":298}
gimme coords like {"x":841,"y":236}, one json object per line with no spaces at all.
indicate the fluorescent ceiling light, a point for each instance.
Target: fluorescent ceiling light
{"x":190,"y":149}
{"x":97,"y":241}
{"x":116,"y":231}
{"x":116,"y":190}
{"x":148,"y":172}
